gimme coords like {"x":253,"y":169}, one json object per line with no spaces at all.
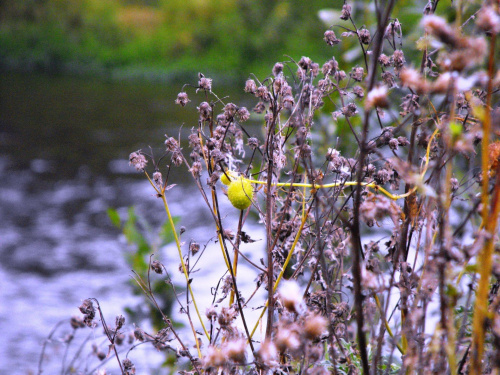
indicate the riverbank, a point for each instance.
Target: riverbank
{"x":158,"y":40}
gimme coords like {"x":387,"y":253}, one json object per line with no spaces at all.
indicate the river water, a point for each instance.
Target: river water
{"x":64,"y":145}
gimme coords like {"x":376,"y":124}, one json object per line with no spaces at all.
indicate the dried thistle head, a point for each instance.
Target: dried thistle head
{"x":182,"y":99}
{"x":205,"y":111}
{"x":277,"y":69}
{"x":250,"y":86}
{"x":488,"y":19}
{"x":204,"y":83}
{"x":377,"y":97}
{"x":235,"y":350}
{"x":287,"y":339}
{"x":330,"y":38}
{"x":268,"y":354}
{"x":438,"y":27}
{"x":314,"y":326}
{"x":346,"y":12}
{"x":214,"y":357}
{"x":364,"y":36}
{"x":138,"y":160}
{"x":357,"y":73}
{"x":291,"y":296}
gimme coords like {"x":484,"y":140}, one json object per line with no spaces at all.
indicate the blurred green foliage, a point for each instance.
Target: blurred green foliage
{"x":139,"y":234}
{"x":230,"y":38}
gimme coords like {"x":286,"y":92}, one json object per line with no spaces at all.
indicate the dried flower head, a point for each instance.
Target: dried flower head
{"x":330,"y":67}
{"x":393,"y":144}
{"x":357,"y":73}
{"x":138,"y":160}
{"x":288,"y":101}
{"x":389,"y":79}
{"x":287,"y":339}
{"x":364,"y":36}
{"x":158,"y":180}
{"x":87,"y":307}
{"x":398,"y":59}
{"x":349,"y":110}
{"x":226,"y":316}
{"x":325,"y":85}
{"x":414,"y":80}
{"x":314,"y":326}
{"x":268,"y":353}
{"x":384,"y":60}
{"x":305,"y":63}
{"x":277,"y":69}
{"x":76,"y":322}
{"x":409,"y":104}
{"x":263,"y":93}
{"x":177,"y":158}
{"x":243,"y":114}
{"x":339,"y":75}
{"x":157,"y":267}
{"x":358,"y":91}
{"x":377,"y":98}
{"x":139,"y":334}
{"x":488,"y":20}
{"x":196,"y":169}
{"x":205,"y":111}
{"x":119,"y":322}
{"x":214,"y":357}
{"x":260,"y":107}
{"x":204,"y":83}
{"x":171,"y":143}
{"x":291,"y":296}
{"x":235,"y":350}
{"x":250,"y":86}
{"x":253,"y":143}
{"x":230,"y":110}
{"x":330,"y":38}
{"x":211,"y":313}
{"x":403,"y":141}
{"x":346,"y":12}
{"x":182,"y":99}
{"x":439,"y":28}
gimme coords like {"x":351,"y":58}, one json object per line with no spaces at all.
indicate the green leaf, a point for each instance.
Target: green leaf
{"x":166,"y":234}
{"x":114,"y":217}
{"x":471,"y":268}
{"x":455,"y":129}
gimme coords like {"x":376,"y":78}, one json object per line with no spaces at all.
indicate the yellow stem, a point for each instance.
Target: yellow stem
{"x":371,"y":185}
{"x":486,"y":254}
{"x":292,"y":249}
{"x":389,"y":331}
{"x":184,"y":269}
{"x":172,"y":225}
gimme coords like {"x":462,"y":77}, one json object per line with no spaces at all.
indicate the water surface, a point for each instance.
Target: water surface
{"x":64,"y":145}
